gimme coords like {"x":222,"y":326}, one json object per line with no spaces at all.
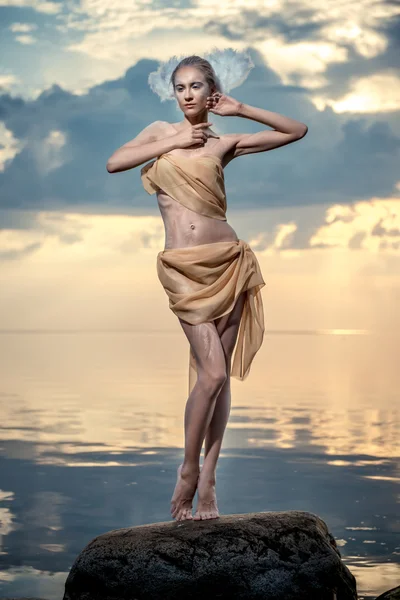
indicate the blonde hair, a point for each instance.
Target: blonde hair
{"x":223,"y":69}
{"x":203,"y":65}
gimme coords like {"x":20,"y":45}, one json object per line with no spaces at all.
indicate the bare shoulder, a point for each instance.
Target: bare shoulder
{"x":156,"y":128}
{"x":150,"y":133}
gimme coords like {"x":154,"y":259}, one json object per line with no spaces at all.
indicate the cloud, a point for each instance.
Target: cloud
{"x":373,"y":93}
{"x":9,"y":146}
{"x":347,"y":56}
{"x":40,"y":6}
{"x":26,"y":39}
{"x":23,"y":27}
{"x":73,"y":236}
{"x":373,"y":225}
{"x":18,"y":253}
{"x":58,"y":145}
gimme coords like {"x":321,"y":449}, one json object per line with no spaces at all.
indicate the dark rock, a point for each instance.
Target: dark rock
{"x":269,"y":555}
{"x":393,"y":594}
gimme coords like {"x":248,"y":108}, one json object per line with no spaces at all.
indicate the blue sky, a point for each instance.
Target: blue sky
{"x":73,"y":88}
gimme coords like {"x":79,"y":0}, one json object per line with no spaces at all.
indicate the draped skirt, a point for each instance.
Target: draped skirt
{"x":203,"y":283}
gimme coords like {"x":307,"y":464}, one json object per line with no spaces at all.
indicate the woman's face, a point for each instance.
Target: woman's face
{"x":191,"y":88}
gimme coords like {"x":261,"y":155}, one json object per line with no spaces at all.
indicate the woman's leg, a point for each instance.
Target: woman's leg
{"x":207,"y":349}
{"x":227,"y":327}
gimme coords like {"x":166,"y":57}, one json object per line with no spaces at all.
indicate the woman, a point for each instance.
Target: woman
{"x":212,"y":278}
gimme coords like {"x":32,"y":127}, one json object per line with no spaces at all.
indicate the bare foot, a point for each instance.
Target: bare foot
{"x":185,"y":489}
{"x":207,"y":500}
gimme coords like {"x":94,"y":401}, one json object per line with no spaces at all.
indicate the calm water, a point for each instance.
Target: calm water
{"x":92,"y":433}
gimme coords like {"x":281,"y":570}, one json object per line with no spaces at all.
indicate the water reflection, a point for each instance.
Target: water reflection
{"x":92,"y":431}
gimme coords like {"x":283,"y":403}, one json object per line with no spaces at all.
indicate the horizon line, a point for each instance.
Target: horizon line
{"x":336,"y":331}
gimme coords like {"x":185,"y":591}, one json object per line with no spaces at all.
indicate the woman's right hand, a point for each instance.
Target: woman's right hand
{"x":193,"y":136}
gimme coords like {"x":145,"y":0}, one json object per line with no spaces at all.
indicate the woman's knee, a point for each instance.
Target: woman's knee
{"x":213,"y":378}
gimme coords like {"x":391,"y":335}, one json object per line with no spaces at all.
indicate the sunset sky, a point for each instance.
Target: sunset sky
{"x":78,"y":245}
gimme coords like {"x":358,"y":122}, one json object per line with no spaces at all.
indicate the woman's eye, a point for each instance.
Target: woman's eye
{"x":181,"y":89}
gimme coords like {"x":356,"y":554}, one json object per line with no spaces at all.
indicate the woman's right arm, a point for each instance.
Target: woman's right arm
{"x":149,"y":143}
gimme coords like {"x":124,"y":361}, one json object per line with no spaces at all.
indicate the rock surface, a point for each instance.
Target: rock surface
{"x":393,"y":594}
{"x":269,"y":555}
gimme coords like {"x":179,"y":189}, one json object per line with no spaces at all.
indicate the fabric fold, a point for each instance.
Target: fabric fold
{"x":198,"y":183}
{"x":203,"y":283}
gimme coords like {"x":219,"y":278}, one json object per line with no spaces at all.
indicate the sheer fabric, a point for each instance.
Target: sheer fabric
{"x":197,"y":183}
{"x":204,"y":281}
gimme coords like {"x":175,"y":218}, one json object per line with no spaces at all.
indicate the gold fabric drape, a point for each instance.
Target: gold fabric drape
{"x":197,"y":183}
{"x":204,"y":281}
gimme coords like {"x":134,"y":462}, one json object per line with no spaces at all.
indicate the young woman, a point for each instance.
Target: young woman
{"x":212,"y":277}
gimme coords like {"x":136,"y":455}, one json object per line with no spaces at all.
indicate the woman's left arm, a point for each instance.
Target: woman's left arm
{"x":285,"y":130}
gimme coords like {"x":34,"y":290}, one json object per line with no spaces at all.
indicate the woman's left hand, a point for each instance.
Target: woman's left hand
{"x":221,"y":104}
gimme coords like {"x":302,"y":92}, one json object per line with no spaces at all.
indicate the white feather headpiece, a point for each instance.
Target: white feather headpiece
{"x":230,"y":66}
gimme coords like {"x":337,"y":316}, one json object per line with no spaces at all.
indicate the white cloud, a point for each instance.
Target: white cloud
{"x":25,"y":39}
{"x":23,"y":27}
{"x":372,"y":225}
{"x":9,"y":145}
{"x":375,"y":224}
{"x":131,"y":25}
{"x":304,"y":62}
{"x":375,"y":93}
{"x":41,"y":6}
{"x":48,"y":151}
{"x":9,"y":82}
{"x":110,"y":37}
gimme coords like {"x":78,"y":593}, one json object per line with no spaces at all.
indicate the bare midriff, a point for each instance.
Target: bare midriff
{"x":185,"y":228}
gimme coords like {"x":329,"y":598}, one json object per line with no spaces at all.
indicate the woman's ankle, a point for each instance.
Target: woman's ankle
{"x":208,"y":473}
{"x":188,"y":468}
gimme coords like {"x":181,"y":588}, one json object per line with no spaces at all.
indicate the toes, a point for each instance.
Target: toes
{"x":204,"y":515}
{"x":183,"y":514}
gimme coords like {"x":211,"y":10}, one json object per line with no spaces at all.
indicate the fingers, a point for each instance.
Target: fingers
{"x":198,"y":125}
{"x":201,"y":136}
{"x":202,"y":133}
{"x":204,"y":136}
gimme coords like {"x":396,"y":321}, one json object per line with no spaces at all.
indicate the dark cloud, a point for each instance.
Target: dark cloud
{"x":342,"y":158}
{"x":294,"y":24}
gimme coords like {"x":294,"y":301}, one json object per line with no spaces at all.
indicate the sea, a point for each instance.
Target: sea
{"x":92,"y":432}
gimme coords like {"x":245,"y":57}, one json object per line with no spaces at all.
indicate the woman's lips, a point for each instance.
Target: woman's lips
{"x":190,"y":105}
